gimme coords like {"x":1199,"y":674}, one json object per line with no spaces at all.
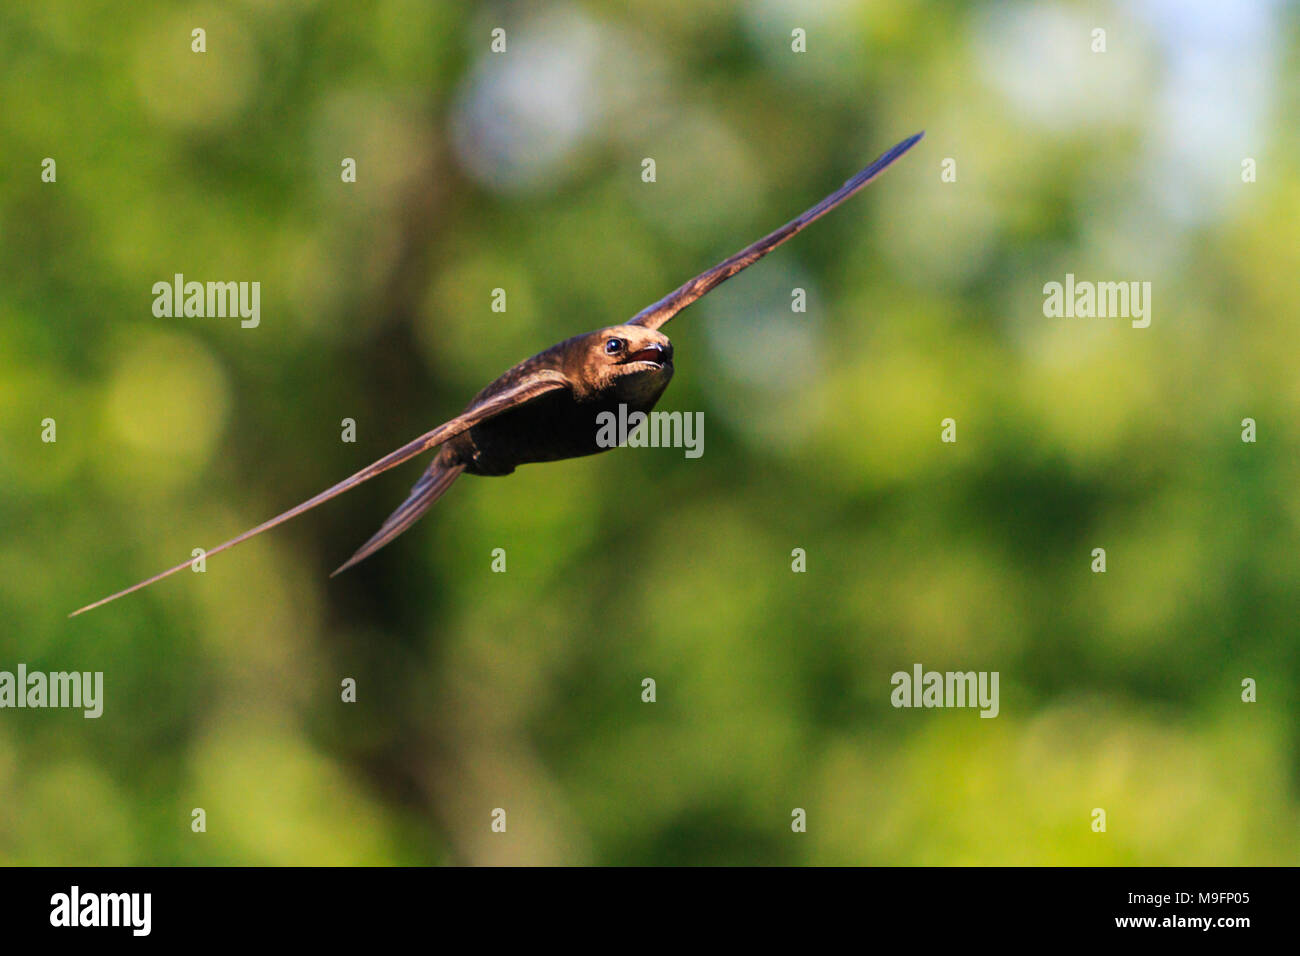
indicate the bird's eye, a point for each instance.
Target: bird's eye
{"x":614,"y":346}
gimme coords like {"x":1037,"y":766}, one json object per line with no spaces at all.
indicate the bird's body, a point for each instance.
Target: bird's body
{"x":546,"y":408}
{"x":562,"y":424}
{"x":627,"y":365}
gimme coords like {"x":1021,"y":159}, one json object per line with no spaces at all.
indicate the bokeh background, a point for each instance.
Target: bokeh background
{"x":523,"y":690}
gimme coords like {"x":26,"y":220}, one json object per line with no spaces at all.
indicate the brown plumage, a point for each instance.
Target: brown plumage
{"x":546,"y":407}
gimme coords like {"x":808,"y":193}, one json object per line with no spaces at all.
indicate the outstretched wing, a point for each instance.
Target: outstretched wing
{"x":537,"y":382}
{"x":654,"y":316}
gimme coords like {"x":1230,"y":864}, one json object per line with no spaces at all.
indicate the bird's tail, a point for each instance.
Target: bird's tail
{"x":433,"y":484}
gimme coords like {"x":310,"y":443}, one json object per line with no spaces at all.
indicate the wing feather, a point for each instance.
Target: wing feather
{"x":537,"y":382}
{"x":653,"y":316}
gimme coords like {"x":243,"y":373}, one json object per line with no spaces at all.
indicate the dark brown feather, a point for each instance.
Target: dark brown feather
{"x":656,"y":315}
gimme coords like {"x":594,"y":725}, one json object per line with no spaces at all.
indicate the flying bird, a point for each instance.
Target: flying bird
{"x":546,"y":407}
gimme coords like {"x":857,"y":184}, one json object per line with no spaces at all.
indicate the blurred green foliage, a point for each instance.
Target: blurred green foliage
{"x":522,"y":690}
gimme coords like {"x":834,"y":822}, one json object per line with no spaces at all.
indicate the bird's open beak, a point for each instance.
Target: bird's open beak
{"x":654,"y":353}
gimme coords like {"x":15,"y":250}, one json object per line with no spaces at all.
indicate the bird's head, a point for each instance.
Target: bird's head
{"x":634,"y":361}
